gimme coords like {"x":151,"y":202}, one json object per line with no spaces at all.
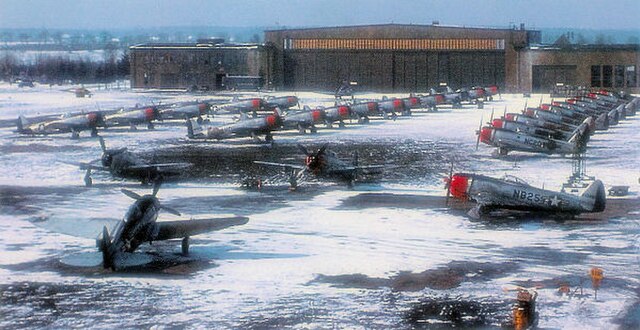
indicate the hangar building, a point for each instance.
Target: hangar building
{"x":389,"y":58}
{"x":202,"y":65}
{"x":397,"y":57}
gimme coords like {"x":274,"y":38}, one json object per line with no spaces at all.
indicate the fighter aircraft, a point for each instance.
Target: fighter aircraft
{"x":139,"y":225}
{"x":490,"y":92}
{"x":363,"y":110}
{"x":324,"y":163}
{"x":507,"y":140}
{"x":124,"y":164}
{"x":244,"y":127}
{"x":242,"y":106}
{"x":450,"y":97}
{"x":336,"y":114}
{"x":74,"y":125}
{"x":134,"y":117}
{"x":389,"y":107}
{"x":410,"y":103}
{"x":303,"y":120}
{"x":431,"y":101}
{"x":511,"y":193}
{"x":472,"y":95}
{"x":280,"y":102}
{"x":185,"y":111}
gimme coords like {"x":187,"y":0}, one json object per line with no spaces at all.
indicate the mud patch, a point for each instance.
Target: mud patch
{"x":446,"y":277}
{"x":458,"y":312}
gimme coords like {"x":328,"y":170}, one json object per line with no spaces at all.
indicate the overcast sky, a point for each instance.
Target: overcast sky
{"x":113,"y":14}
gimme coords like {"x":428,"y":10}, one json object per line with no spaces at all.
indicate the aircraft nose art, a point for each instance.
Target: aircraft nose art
{"x":485,"y":135}
{"x":459,"y":185}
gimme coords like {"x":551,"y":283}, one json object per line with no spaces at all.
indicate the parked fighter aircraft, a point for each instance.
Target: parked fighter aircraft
{"x":431,"y":101}
{"x":323,"y":163}
{"x":511,"y":193}
{"x":364,"y":110}
{"x":245,"y":127}
{"x":450,"y":97}
{"x":336,"y":114}
{"x":490,"y":92}
{"x":186,"y":111}
{"x":280,"y":102}
{"x":472,"y":95}
{"x":303,"y":120}
{"x":507,"y":140}
{"x":389,"y":107}
{"x":134,"y":117}
{"x":74,"y":125}
{"x":242,"y":106}
{"x":124,"y":164}
{"x":139,"y":226}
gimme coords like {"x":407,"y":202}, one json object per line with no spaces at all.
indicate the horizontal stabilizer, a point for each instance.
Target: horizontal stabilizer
{"x":288,"y":166}
{"x":184,"y":228}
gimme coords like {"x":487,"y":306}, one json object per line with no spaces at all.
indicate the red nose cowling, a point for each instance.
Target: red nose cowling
{"x":255,"y":103}
{"x":458,"y":186}
{"x":510,"y":117}
{"x":271,"y":120}
{"x":485,"y":135}
{"x":149,"y":114}
{"x":497,"y":123}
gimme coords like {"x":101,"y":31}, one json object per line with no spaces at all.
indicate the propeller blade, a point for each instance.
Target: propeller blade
{"x":170,"y":210}
{"x":491,"y":120}
{"x":504,"y":113}
{"x":479,"y":131}
{"x":303,"y":149}
{"x":156,"y":187}
{"x":525,"y":104}
{"x":130,"y":194}
{"x":446,"y":201}
{"x":322,"y":150}
{"x":102,"y":144}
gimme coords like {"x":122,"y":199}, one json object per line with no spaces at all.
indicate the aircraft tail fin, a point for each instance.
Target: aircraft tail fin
{"x":594,"y":198}
{"x":104,"y":245}
{"x":193,"y":128}
{"x":21,"y":123}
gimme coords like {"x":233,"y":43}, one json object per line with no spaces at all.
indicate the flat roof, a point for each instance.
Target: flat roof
{"x":401,"y":25}
{"x":204,"y":46}
{"x":586,"y":47}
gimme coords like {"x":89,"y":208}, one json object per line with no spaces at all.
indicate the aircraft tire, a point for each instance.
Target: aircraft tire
{"x":185,"y":246}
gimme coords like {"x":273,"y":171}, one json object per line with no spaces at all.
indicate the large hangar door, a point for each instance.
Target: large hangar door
{"x":545,"y":77}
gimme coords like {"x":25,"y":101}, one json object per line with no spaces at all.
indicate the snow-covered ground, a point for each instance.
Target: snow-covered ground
{"x":304,"y":260}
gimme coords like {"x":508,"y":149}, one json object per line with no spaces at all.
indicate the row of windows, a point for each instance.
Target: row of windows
{"x":402,"y":44}
{"x":613,"y":76}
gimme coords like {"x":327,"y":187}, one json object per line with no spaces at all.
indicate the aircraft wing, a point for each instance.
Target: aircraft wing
{"x":184,"y":228}
{"x":287,"y":166}
{"x":161,"y":166}
{"x":85,"y":166}
{"x":366,"y":167}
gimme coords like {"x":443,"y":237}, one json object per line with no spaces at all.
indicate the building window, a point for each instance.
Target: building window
{"x":607,"y":74}
{"x":596,"y":76}
{"x":631,"y":76}
{"x":619,"y":76}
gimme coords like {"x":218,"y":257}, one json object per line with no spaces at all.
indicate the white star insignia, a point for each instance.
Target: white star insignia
{"x":555,"y":201}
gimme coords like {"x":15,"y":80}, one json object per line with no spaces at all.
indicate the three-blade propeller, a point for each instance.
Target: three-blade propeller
{"x":156,"y":188}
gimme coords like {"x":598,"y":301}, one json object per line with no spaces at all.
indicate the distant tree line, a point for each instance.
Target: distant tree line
{"x":62,"y":69}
